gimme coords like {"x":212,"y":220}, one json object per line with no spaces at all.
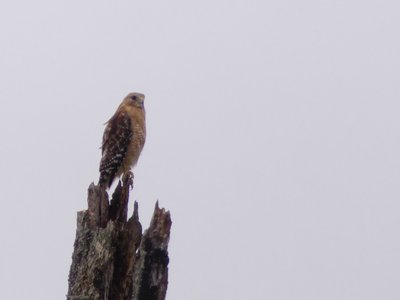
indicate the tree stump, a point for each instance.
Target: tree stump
{"x":112,"y":260}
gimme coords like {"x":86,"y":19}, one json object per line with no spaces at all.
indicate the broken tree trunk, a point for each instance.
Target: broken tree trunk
{"x":112,"y":260}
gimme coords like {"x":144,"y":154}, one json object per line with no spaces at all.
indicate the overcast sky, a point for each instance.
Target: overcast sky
{"x":273,"y":139}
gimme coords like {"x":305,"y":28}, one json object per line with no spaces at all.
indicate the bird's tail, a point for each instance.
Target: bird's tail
{"x":105,"y":182}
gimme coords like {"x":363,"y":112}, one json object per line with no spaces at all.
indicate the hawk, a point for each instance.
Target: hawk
{"x":123,"y":139}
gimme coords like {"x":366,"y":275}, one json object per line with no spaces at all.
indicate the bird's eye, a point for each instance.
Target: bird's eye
{"x":134,"y":98}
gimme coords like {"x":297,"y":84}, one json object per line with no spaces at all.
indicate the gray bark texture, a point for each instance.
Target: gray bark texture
{"x":112,"y":259}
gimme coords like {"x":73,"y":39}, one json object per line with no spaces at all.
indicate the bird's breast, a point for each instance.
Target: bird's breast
{"x":135,"y":146}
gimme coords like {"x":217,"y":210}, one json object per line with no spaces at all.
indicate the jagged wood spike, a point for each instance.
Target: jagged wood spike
{"x":106,"y":263}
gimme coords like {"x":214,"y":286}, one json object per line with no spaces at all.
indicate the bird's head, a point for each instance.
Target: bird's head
{"x":135,"y":99}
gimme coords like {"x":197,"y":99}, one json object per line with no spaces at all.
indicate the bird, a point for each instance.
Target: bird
{"x":123,"y":139}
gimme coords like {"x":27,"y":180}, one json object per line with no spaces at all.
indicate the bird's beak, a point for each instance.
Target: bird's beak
{"x":141,"y":102}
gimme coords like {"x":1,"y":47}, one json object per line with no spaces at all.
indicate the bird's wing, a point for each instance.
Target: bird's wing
{"x":117,"y":136}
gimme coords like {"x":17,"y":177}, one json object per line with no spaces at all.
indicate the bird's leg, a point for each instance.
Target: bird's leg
{"x":127,"y":178}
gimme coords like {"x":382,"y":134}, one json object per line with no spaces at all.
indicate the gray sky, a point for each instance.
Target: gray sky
{"x":273,"y":139}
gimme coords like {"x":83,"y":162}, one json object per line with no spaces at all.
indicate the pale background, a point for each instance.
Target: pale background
{"x":273,"y":139}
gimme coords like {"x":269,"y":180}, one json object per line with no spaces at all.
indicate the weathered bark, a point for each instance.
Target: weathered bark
{"x":111,"y":260}
{"x":151,"y":267}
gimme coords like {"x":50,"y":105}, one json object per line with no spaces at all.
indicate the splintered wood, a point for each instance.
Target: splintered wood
{"x":112,"y":260}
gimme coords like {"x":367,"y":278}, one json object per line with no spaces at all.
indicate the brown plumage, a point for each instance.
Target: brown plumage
{"x":123,"y":139}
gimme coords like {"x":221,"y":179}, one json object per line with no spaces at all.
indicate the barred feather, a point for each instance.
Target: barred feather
{"x":116,"y":139}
